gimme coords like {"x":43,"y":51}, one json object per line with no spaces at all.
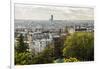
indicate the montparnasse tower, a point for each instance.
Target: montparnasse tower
{"x":51,"y":19}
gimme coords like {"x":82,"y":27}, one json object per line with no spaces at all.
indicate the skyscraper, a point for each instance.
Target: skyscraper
{"x":51,"y":19}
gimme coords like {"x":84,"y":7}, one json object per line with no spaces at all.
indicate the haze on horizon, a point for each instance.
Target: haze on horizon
{"x":40,"y":12}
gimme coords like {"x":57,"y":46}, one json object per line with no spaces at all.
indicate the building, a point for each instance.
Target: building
{"x":38,"y":40}
{"x":51,"y":19}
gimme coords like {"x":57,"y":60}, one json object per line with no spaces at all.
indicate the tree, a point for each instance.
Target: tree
{"x":20,"y":45}
{"x":80,"y":45}
{"x":44,"y":57}
{"x":58,"y":47}
{"x":23,"y":58}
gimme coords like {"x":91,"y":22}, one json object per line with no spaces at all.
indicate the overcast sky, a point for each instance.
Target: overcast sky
{"x":40,"y":12}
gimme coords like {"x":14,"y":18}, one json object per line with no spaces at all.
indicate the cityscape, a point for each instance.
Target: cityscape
{"x":50,"y":41}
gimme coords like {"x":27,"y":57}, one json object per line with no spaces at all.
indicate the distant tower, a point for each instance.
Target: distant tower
{"x":51,"y":19}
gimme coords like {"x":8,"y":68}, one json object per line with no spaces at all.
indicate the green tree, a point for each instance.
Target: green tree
{"x":23,"y":58}
{"x":80,"y":45}
{"x":46,"y":56}
{"x":58,"y":46}
{"x":21,"y":46}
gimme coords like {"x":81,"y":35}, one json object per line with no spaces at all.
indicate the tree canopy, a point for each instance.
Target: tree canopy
{"x":80,"y":45}
{"x":21,"y":46}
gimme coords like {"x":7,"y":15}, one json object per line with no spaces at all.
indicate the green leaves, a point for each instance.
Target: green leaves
{"x":80,"y":45}
{"x":73,"y":48}
{"x":23,"y":58}
{"x":21,"y":46}
{"x":71,"y":59}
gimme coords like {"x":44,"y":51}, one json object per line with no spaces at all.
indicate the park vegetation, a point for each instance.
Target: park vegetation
{"x":75,"y":47}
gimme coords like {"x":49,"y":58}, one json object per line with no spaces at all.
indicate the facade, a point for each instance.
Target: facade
{"x":38,"y":40}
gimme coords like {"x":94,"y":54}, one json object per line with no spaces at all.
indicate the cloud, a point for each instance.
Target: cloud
{"x":37,"y":12}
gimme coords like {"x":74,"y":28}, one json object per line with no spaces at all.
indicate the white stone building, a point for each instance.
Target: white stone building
{"x":39,"y":40}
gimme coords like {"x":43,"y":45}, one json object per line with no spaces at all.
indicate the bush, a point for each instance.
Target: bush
{"x":71,"y":59}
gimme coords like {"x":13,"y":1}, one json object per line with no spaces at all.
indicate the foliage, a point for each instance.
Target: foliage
{"x":71,"y":59}
{"x":44,"y":57}
{"x":58,"y":47}
{"x":76,"y":47}
{"x":21,"y":46}
{"x":23,"y":58}
{"x":66,"y":60}
{"x":80,"y":45}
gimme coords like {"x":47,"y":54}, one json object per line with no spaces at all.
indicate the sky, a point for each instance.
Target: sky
{"x":42,"y":12}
